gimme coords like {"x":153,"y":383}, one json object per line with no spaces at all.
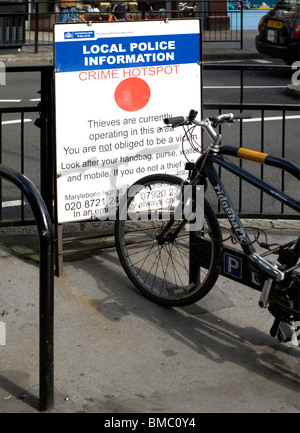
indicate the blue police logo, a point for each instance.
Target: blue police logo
{"x":68,"y":35}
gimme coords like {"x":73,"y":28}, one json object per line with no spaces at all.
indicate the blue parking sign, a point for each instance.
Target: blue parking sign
{"x":233,"y":265}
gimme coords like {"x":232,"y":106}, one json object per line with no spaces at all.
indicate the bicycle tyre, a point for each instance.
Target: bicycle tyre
{"x":162,"y":272}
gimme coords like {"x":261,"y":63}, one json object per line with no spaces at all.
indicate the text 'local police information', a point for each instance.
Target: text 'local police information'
{"x":114,"y":85}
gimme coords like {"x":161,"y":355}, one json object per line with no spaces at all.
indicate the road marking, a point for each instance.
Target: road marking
{"x":10,"y":100}
{"x":244,"y":87}
{"x":221,"y":61}
{"x":9,"y":122}
{"x":236,"y":61}
{"x":20,"y":100}
{"x":11,"y":203}
{"x":258,"y":119}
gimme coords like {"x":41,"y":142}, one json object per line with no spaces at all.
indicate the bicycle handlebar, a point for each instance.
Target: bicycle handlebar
{"x":177,"y":121}
{"x":214,"y":121}
{"x":228,"y":117}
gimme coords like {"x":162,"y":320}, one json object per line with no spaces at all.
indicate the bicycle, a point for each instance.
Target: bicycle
{"x":174,"y":262}
{"x":119,"y":13}
{"x":156,"y":14}
{"x":184,"y":10}
{"x":115,"y":12}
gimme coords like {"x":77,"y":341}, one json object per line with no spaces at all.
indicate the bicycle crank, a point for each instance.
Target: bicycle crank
{"x":285,"y":332}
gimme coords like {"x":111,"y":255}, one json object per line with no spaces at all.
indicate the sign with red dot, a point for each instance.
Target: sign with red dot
{"x":132,"y":94}
{"x":115,"y":82}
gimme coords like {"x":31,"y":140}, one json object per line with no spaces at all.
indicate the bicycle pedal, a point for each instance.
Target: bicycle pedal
{"x":284,"y":332}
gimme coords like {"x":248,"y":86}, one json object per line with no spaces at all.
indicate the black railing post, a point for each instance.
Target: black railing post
{"x":1,"y":163}
{"x":46,"y":283}
{"x":143,"y":10}
{"x":47,"y":137}
{"x":242,"y":27}
{"x":36,"y":28}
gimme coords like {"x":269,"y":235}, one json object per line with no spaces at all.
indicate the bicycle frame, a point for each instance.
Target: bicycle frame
{"x":205,"y":166}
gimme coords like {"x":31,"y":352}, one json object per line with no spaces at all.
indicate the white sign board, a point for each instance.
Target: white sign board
{"x":115,"y":82}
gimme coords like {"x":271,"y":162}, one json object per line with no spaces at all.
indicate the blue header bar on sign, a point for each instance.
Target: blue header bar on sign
{"x":120,"y":52}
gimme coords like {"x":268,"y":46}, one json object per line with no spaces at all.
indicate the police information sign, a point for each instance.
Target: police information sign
{"x":115,"y":82}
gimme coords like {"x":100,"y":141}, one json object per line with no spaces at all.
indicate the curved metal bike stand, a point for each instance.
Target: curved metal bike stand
{"x":46,"y":282}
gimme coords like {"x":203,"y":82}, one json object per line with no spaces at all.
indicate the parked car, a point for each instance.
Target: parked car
{"x":279,"y":32}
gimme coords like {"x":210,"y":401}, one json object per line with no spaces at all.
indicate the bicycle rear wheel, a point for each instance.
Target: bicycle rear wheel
{"x":175,"y":270}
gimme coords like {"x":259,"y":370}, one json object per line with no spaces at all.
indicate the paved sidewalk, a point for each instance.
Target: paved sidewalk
{"x":117,"y":352}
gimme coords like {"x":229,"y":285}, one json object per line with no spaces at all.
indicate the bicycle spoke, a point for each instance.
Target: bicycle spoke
{"x":156,"y":252}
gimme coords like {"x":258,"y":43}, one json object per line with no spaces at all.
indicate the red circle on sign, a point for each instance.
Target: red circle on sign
{"x":132,"y":94}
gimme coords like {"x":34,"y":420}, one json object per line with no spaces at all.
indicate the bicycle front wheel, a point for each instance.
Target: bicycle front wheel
{"x":175,"y":269}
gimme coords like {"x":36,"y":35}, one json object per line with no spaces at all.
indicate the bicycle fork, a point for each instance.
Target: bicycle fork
{"x":182,"y":213}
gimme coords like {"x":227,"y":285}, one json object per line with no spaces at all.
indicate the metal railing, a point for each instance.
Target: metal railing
{"x":46,"y":284}
{"x":44,"y":109}
{"x":263,"y":208}
{"x":222,"y":21}
{"x":46,"y":162}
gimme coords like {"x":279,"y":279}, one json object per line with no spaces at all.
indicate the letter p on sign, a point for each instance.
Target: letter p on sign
{"x":233,"y":265}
